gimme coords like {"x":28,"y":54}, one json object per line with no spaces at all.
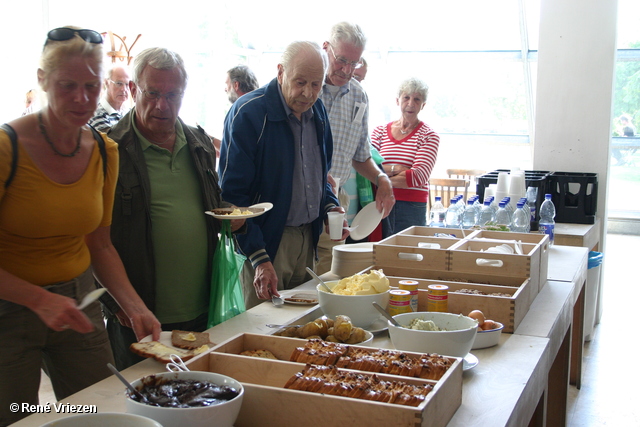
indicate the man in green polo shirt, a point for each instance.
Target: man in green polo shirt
{"x":166,"y":182}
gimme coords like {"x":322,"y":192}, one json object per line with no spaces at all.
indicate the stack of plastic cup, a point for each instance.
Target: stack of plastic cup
{"x":517,"y":186}
{"x":502,"y":188}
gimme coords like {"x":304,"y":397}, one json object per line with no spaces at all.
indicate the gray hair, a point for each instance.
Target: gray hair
{"x":244,"y":76}
{"x":160,"y":59}
{"x":115,"y":67}
{"x":414,"y":85}
{"x":346,"y":32}
{"x":296,"y":48}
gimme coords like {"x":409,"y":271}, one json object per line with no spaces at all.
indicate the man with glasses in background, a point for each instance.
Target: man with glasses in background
{"x":113,"y":104}
{"x":348,"y":107}
{"x":166,"y":182}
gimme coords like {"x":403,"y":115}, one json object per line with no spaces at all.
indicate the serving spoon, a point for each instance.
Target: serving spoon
{"x":127,"y":383}
{"x":382,"y":311}
{"x":324,"y":285}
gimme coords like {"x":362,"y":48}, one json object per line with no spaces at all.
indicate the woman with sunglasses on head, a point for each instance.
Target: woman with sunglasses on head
{"x":56,"y":202}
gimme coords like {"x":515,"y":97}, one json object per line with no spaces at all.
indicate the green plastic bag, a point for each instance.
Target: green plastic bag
{"x":365,"y":189}
{"x":226,"y":299}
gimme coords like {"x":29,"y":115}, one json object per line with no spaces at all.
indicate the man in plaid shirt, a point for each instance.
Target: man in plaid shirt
{"x":347,"y":105}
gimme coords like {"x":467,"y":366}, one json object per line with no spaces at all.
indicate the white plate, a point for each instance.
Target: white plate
{"x":366,"y":221}
{"x":301,"y":295}
{"x":256,"y":210}
{"x":165,"y":338}
{"x":469,"y":362}
{"x":379,"y":325}
{"x":355,"y":247}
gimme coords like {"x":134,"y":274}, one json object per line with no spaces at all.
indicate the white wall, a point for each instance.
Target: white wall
{"x":576,"y":63}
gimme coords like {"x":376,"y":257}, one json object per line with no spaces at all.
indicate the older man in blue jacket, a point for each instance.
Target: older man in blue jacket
{"x":277,"y":148}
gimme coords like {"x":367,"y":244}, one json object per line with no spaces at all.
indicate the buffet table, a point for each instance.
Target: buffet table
{"x":520,"y":382}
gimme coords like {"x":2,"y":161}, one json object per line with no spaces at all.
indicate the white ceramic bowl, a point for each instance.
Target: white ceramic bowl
{"x":358,"y":307}
{"x":456,"y":340}
{"x":487,"y":338}
{"x":106,"y":419}
{"x":221,"y":415}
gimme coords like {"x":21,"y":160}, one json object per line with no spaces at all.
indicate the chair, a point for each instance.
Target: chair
{"x":470,"y":174}
{"x":447,"y":188}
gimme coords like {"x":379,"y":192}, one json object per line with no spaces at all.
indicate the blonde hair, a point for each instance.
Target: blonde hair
{"x":56,"y":53}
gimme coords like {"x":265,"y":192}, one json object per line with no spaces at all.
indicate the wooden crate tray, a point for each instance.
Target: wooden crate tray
{"x":407,"y":251}
{"x":417,"y":230}
{"x":268,"y":401}
{"x":468,"y":256}
{"x":540,"y":240}
{"x":507,"y":310}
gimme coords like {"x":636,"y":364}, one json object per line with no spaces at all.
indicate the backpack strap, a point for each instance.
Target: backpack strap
{"x":14,"y":147}
{"x":103,"y":149}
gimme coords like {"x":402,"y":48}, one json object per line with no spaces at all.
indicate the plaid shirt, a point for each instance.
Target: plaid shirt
{"x":349,"y":120}
{"x":105,"y":118}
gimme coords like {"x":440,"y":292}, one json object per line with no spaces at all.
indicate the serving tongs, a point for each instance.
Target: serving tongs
{"x":176,"y":364}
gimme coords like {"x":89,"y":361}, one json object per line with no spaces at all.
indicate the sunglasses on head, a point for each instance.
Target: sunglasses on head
{"x":64,"y":33}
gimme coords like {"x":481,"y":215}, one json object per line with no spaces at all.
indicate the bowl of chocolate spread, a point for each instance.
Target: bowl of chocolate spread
{"x":193,"y":398}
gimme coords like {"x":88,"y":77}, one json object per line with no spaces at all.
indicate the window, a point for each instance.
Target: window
{"x":625,"y":159}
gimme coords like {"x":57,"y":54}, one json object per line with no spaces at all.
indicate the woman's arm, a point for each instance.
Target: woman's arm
{"x":110,"y":272}
{"x":56,"y":311}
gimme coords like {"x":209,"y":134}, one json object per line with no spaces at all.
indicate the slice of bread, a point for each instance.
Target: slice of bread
{"x":189,"y":340}
{"x":158,"y":351}
{"x":259,"y":353}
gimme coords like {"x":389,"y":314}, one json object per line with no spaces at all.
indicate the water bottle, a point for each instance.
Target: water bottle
{"x":477,"y":204}
{"x":494,"y":205}
{"x":452,"y":218}
{"x":520,"y":222}
{"x":525,"y":206}
{"x":437,"y":213}
{"x":486,"y":214}
{"x":469,"y":217}
{"x":503,"y":216}
{"x":532,"y":196}
{"x":507,"y":206}
{"x":547,"y":223}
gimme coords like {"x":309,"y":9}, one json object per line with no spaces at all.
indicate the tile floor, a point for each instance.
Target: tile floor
{"x":608,"y":396}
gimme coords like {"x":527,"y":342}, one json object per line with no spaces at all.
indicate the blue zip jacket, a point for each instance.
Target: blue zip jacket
{"x":256,"y":161}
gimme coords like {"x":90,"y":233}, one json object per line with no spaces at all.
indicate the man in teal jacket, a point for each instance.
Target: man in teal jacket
{"x":277,"y":148}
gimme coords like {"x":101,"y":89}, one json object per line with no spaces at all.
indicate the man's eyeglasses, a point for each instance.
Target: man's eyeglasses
{"x":343,"y":62}
{"x":120,"y":85}
{"x":65,"y":33}
{"x":172,"y":98}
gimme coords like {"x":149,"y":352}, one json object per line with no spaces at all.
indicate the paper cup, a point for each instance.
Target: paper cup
{"x":336,"y":224}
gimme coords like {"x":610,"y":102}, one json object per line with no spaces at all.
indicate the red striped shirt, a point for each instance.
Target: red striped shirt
{"x":418,"y":151}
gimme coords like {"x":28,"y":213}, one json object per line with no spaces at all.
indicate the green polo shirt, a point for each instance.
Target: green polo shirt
{"x":179,"y":231}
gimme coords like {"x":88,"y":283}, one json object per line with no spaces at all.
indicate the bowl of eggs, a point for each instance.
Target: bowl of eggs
{"x":488,"y":331}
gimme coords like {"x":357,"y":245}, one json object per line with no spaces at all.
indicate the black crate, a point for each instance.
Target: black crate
{"x":536,"y":179}
{"x":575,"y":196}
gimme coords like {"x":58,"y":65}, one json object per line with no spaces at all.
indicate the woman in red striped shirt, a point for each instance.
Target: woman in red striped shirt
{"x":409,"y":148}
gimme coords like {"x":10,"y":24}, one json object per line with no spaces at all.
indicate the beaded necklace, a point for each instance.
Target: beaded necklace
{"x":43,"y":131}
